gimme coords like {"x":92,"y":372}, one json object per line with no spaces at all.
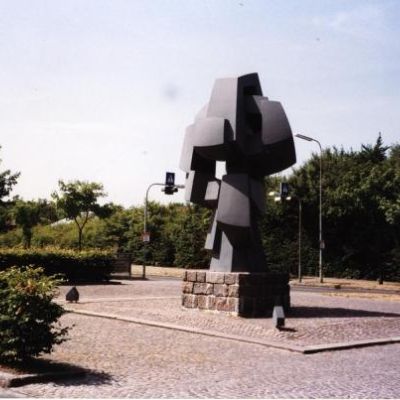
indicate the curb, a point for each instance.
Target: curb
{"x":280,"y":346}
{"x":344,"y":289}
{"x":8,"y":380}
{"x":349,"y":345}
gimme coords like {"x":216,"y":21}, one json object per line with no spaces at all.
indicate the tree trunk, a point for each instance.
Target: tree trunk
{"x":80,"y":239}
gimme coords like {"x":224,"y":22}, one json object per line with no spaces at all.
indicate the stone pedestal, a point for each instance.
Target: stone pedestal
{"x":239,"y":293}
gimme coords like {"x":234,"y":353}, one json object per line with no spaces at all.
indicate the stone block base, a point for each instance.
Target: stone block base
{"x":244,"y":294}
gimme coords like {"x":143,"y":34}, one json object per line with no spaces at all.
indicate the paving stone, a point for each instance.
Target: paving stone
{"x":200,"y":288}
{"x":202,"y":302}
{"x":203,"y":288}
{"x":187,"y":287}
{"x":210,"y":303}
{"x":233,"y":291}
{"x":221,"y":290}
{"x":191,"y":276}
{"x":215,"y":277}
{"x":184,"y":276}
{"x":231,"y":279}
{"x":201,"y":276}
{"x":137,"y":361}
{"x":233,"y":304}
{"x":189,"y":300}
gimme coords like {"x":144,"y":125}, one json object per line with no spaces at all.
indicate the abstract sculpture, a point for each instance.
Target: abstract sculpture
{"x":252,"y":135}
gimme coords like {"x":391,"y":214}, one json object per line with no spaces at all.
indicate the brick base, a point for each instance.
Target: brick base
{"x":240,"y":293}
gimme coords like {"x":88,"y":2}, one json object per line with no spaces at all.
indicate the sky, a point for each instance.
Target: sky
{"x":102,"y":90}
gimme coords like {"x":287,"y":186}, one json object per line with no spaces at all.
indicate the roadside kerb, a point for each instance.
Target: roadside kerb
{"x":281,"y":346}
{"x":89,"y":300}
{"x":331,"y":288}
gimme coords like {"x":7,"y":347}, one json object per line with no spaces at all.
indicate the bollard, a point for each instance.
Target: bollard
{"x":278,"y":317}
{"x":72,"y":295}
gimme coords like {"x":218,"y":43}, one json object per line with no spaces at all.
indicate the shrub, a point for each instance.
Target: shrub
{"x":88,"y":265}
{"x":28,"y":315}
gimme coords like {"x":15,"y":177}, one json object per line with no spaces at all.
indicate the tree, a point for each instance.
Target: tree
{"x":78,"y":201}
{"x":27,"y":215}
{"x":360,"y":208}
{"x":7,"y":181}
{"x":191,"y":237}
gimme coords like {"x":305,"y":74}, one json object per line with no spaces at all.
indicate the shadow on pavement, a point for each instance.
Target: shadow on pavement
{"x":44,"y":370}
{"x":91,"y":378}
{"x":325,"y":312}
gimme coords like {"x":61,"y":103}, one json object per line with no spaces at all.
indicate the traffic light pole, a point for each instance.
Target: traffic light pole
{"x":279,"y":197}
{"x":145,"y":242}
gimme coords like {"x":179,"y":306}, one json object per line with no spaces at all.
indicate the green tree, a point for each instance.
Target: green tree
{"x":7,"y":181}
{"x":191,"y":237}
{"x":360,"y":197}
{"x":78,"y":200}
{"x":27,"y":215}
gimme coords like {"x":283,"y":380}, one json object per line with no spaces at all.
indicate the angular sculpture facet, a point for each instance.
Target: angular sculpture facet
{"x":253,"y":136}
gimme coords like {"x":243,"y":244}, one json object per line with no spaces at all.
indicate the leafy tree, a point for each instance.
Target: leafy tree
{"x":374,"y":154}
{"x":27,"y":215}
{"x":78,"y":200}
{"x":360,"y":193}
{"x":191,"y":237}
{"x":7,"y":181}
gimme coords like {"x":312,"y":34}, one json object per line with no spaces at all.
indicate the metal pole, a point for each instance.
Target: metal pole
{"x":299,"y":240}
{"x":321,"y":277}
{"x":309,"y":139}
{"x":145,"y":222}
{"x":145,"y":227}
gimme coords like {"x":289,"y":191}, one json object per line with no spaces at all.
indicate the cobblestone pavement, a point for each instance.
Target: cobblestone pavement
{"x":314,"y":320}
{"x":132,"y":360}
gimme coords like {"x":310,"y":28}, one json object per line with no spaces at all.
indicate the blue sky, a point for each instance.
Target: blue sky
{"x":103,"y":90}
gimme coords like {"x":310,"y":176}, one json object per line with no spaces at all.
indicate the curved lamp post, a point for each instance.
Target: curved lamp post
{"x":321,"y":243}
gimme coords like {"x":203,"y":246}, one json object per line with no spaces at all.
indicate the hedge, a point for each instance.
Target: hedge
{"x":82,"y":266}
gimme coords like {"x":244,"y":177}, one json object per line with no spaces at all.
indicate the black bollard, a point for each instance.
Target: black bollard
{"x":72,"y":295}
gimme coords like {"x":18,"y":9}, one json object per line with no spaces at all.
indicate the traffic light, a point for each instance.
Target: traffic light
{"x":284,"y":192}
{"x":169,"y":189}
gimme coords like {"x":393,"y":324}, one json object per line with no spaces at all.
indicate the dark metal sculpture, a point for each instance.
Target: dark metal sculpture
{"x":252,"y":135}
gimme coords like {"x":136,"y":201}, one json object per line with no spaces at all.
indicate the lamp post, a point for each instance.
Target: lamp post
{"x":321,"y":243}
{"x":299,"y":267}
{"x":277,"y":197}
{"x":146,"y":236}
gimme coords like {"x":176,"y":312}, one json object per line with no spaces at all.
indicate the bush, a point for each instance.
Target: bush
{"x":28,"y":314}
{"x":83,"y":266}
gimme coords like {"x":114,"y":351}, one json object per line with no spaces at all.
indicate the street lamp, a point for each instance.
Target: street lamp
{"x":321,"y":243}
{"x":277,"y":197}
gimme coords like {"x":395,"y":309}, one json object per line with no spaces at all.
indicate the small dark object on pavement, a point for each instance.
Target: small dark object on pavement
{"x":72,"y":295}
